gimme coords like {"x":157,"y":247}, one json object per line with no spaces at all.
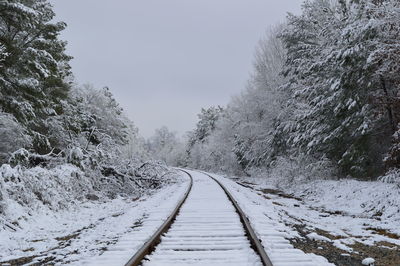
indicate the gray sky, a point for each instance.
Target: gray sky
{"x":165,"y":59}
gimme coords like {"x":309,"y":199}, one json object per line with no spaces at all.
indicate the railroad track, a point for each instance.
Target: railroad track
{"x":206,"y":228}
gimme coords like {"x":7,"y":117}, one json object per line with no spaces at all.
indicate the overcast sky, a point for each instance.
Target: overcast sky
{"x":165,"y":59}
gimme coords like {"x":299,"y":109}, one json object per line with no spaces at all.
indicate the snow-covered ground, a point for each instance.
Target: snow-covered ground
{"x":345,"y":221}
{"x":80,"y":234}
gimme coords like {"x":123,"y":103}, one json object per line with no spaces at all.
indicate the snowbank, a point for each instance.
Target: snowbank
{"x":345,"y":221}
{"x":360,"y":198}
{"x":80,"y":234}
{"x":25,"y":191}
{"x":373,"y":199}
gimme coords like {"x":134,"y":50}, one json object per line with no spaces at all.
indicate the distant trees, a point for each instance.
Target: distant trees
{"x":198,"y":138}
{"x":165,"y":146}
{"x":243,"y":133}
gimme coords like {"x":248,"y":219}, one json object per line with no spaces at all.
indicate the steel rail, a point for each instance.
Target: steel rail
{"x":254,"y":240}
{"x":149,"y":246}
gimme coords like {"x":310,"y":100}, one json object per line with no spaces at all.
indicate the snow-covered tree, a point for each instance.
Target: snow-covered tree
{"x":103,"y":118}
{"x":257,"y":110}
{"x":206,"y":124}
{"x":335,"y":85}
{"x":34,"y":65}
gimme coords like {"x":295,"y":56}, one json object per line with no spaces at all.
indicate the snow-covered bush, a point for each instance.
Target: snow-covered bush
{"x":75,"y":156}
{"x":392,"y":176}
{"x":3,"y":53}
{"x":20,"y":157}
{"x":12,"y":136}
{"x":24,"y":190}
{"x":28,"y":189}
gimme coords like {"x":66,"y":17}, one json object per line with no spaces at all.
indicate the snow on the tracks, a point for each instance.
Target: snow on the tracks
{"x":269,"y":227}
{"x":207,"y":231}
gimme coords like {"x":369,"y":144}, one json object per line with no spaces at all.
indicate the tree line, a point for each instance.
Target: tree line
{"x":322,"y":100}
{"x":44,"y":116}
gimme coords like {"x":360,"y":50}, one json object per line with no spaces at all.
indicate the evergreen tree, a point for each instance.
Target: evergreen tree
{"x":34,"y":66}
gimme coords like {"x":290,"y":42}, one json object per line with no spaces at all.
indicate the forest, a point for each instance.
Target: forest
{"x":60,"y":142}
{"x":322,"y":101}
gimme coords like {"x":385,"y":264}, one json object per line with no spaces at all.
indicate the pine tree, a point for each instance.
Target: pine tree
{"x":34,"y":66}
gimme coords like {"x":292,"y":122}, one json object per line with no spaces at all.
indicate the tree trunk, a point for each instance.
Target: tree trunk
{"x":388,"y":105}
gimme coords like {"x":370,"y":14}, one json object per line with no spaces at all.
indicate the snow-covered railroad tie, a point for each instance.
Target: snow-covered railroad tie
{"x":207,"y":231}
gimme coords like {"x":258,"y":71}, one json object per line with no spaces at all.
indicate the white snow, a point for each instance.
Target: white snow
{"x":269,"y":224}
{"x":315,"y":236}
{"x":368,"y":261}
{"x":80,"y":234}
{"x":350,"y":211}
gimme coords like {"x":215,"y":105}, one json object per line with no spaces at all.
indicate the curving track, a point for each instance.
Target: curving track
{"x":209,"y":229}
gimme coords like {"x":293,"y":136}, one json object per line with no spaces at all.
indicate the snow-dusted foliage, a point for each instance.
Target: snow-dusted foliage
{"x":27,"y":190}
{"x":322,"y":99}
{"x":12,"y":136}
{"x":3,"y":54}
{"x":340,"y":92}
{"x":391,"y":176}
{"x":216,"y":153}
{"x":34,"y":66}
{"x":243,"y":134}
{"x":60,"y":143}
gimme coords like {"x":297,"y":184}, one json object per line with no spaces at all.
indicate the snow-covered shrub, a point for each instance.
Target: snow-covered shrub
{"x":392,"y":159}
{"x":392,"y":176}
{"x":152,"y":169}
{"x":28,"y":159}
{"x":20,"y":157}
{"x":23,"y":190}
{"x":41,"y":143}
{"x":3,"y":53}
{"x":75,"y":156}
{"x":12,"y":136}
{"x":27,"y":189}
